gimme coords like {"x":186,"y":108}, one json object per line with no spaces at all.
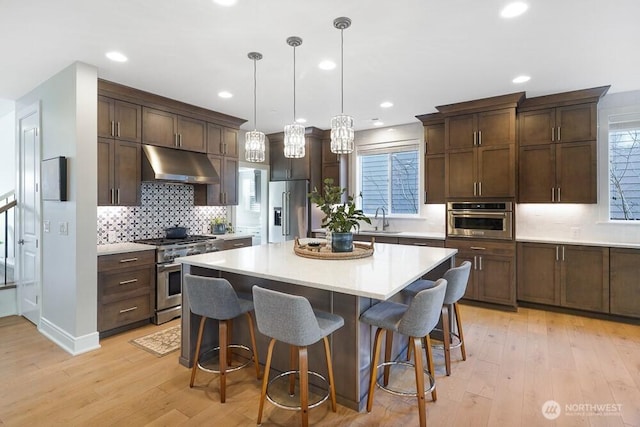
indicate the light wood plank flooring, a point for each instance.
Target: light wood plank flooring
{"x":516,"y":362}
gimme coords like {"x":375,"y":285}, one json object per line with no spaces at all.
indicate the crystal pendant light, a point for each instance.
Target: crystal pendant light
{"x":342,"y":133}
{"x":294,"y":133}
{"x":254,"y":147}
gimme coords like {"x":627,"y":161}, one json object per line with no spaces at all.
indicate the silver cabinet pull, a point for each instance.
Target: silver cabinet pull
{"x":126,"y":310}
{"x":238,"y":244}
{"x":118,"y":196}
{"x":480,"y":188}
{"x":558,"y":133}
{"x":557,"y":253}
{"x":419,"y":244}
{"x":477,"y":248}
{"x":126,"y":282}
{"x":563,"y":253}
{"x":118,"y":129}
{"x":553,"y":134}
{"x":474,"y":188}
{"x":559,"y":194}
{"x":113,"y":198}
{"x":553,"y":194}
{"x":179,"y":140}
{"x":475,"y":138}
{"x":175,"y":139}
{"x":480,"y":259}
{"x":475,"y":263}
{"x":128,"y":260}
{"x":112,"y":126}
{"x":479,"y":137}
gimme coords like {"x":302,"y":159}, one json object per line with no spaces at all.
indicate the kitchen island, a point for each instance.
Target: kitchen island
{"x":343,"y":287}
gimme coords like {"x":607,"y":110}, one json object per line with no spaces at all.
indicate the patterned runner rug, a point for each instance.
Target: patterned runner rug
{"x":160,"y":343}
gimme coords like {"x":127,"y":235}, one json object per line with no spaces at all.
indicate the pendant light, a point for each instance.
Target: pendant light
{"x":342,"y":133}
{"x":294,"y":133}
{"x":254,"y":147}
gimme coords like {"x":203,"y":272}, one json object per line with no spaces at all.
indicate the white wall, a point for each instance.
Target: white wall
{"x":69,"y":269}
{"x":8,"y":159}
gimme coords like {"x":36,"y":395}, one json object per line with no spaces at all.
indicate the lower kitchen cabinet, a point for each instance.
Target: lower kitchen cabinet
{"x":126,"y":289}
{"x":237,"y":243}
{"x":493,"y":272}
{"x":572,"y":276}
{"x":625,"y":281}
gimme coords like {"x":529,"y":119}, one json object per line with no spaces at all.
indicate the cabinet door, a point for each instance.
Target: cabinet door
{"x":625,"y":286}
{"x":576,"y":172}
{"x":537,"y":127}
{"x":128,"y":164}
{"x":327,"y":155}
{"x":576,"y":123}
{"x":536,"y":174}
{"x":434,"y":139}
{"x":301,"y":168}
{"x":459,"y":131}
{"x":538,"y":279}
{"x":585,"y":278}
{"x":214,"y":139}
{"x":158,"y":127}
{"x":330,"y":170}
{"x":280,"y":165}
{"x":460,"y":170}
{"x":496,"y":171}
{"x":496,"y":127}
{"x":230,"y":142}
{"x":214,"y":191}
{"x":105,"y":171}
{"x":230,"y":181}
{"x":496,"y":279}
{"x":192,"y":134}
{"x":106,"y":123}
{"x":128,"y":118}
{"x":434,"y":179}
{"x":472,"y":285}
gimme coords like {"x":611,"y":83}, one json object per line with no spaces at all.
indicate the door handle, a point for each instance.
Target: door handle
{"x":21,"y":242}
{"x":283,"y":222}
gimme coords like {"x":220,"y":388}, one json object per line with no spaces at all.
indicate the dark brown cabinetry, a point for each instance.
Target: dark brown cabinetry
{"x":226,"y":192}
{"x":493,"y":269}
{"x":237,"y":243}
{"x":572,"y":276}
{"x":119,"y":119}
{"x":173,"y":130}
{"x":558,"y":152}
{"x":126,"y":289}
{"x":625,"y":281}
{"x":308,"y":167}
{"x":330,"y":162}
{"x":222,"y":141}
{"x":119,"y":172}
{"x":434,"y":172}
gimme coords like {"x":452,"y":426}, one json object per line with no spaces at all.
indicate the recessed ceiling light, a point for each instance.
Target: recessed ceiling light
{"x":521,"y":79}
{"x":514,"y":9}
{"x":225,"y":2}
{"x":386,"y":104}
{"x":225,"y":94}
{"x":391,"y":130}
{"x":301,"y":120}
{"x":116,"y":56}
{"x":378,"y":123}
{"x":327,"y":65}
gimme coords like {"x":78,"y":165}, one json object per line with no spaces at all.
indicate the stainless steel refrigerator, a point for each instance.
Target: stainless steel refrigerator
{"x":288,"y":210}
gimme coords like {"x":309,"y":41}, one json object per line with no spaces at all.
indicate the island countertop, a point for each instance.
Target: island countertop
{"x":390,"y":269}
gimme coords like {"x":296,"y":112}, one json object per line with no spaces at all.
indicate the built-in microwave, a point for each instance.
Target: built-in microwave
{"x":485,"y":220}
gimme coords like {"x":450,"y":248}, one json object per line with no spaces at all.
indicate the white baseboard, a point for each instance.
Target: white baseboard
{"x":70,"y":344}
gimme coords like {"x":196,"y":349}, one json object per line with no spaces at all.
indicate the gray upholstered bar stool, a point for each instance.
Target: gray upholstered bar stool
{"x":215,"y":298}
{"x":457,"y":279}
{"x":290,"y":319}
{"x":415,"y":320}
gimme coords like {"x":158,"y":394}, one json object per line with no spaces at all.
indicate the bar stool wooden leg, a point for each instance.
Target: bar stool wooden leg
{"x":304,"y":385}
{"x":332,"y":386}
{"x":265,"y":379}
{"x":388,"y":344}
{"x":293,"y":365}
{"x":446,"y":338}
{"x":429,"y":352}
{"x":197,"y":354}
{"x":416,"y":343}
{"x":374,"y":369}
{"x":223,"y":342}
{"x":456,"y":310}
{"x":252,"y":333}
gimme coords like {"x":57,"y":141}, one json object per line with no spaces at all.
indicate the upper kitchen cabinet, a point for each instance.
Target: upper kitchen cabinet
{"x":330,"y":162}
{"x":222,"y":141}
{"x":558,"y":149}
{"x":119,"y":119}
{"x":226,"y":192}
{"x":173,"y":130}
{"x":308,"y":167}
{"x":480,"y":152}
{"x":119,"y":172}
{"x":434,"y":143}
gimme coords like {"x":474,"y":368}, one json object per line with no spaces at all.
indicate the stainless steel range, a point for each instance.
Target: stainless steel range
{"x":168,"y":277}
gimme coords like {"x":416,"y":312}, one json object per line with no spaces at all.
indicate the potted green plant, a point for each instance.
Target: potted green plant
{"x":340,"y":217}
{"x":218,"y":225}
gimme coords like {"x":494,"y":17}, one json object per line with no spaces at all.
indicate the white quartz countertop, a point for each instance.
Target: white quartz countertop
{"x":392,"y":233}
{"x":120,"y":248}
{"x":390,"y":269}
{"x":579,"y":242}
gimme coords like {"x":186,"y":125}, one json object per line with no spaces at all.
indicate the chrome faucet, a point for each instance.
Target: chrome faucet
{"x":385,"y":223}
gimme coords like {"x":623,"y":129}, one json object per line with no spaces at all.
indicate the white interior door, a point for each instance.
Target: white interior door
{"x":28,"y":280}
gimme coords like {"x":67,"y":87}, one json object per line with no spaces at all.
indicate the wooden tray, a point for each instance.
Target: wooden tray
{"x":322,"y":251}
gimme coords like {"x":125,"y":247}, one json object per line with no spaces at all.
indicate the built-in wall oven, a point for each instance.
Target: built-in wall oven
{"x":488,"y":220}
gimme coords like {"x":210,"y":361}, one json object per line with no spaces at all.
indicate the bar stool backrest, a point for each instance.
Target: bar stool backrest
{"x":457,"y":279}
{"x":424,"y":311}
{"x":212,"y":297}
{"x":285,"y":317}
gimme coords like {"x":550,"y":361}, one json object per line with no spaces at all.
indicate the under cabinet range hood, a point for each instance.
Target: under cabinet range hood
{"x":171,"y":165}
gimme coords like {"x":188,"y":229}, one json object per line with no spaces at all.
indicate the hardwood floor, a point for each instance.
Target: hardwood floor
{"x":516,"y":362}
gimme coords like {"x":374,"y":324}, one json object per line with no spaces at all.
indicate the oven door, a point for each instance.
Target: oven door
{"x":169,"y":285}
{"x":488,"y":225}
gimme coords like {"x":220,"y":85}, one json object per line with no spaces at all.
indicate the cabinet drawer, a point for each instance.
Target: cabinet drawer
{"x":126,"y":260}
{"x":237,"y":243}
{"x":123,"y":312}
{"x":124,"y":284}
{"x":421,"y":242}
{"x":482,"y":247}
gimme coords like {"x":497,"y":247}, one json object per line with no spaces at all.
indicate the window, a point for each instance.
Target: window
{"x":624,"y":167}
{"x":389,"y":178}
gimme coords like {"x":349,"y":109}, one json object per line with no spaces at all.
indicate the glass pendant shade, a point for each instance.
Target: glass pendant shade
{"x":294,"y":141}
{"x":254,"y":147}
{"x":342,"y":134}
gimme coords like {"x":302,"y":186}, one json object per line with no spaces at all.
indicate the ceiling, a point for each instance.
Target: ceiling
{"x":414,"y":53}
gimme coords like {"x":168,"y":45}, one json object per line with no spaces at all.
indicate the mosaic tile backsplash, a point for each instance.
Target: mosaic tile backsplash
{"x":162,"y":205}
